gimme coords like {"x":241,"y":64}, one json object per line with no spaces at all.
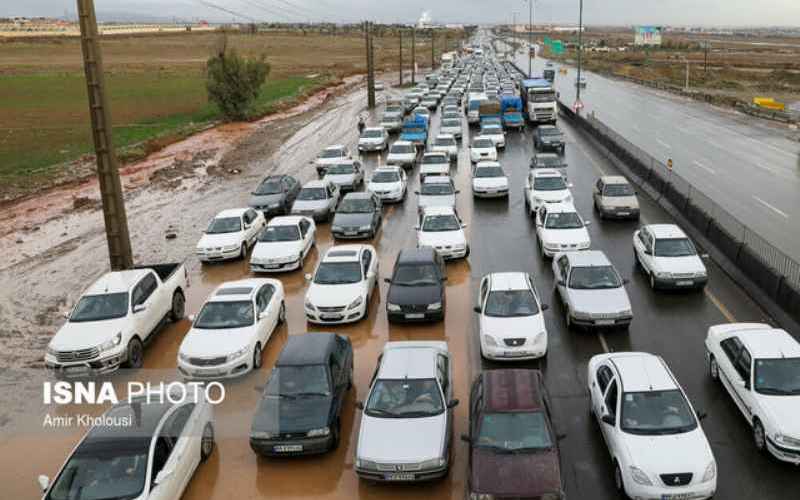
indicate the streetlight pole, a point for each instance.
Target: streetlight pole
{"x":578,"y":103}
{"x":530,"y":37}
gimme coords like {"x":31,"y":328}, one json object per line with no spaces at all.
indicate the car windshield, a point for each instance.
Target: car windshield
{"x":408,"y":398}
{"x":434,"y":223}
{"x":223,"y":315}
{"x":279,"y":233}
{"x":311,"y":194}
{"x":491,"y":130}
{"x":563,"y":220}
{"x":269,"y":187}
{"x":483,"y":144}
{"x":294,"y":381}
{"x":372,"y":134}
{"x":555,"y":183}
{"x":222,"y":225}
{"x":484,"y":172}
{"x":380,"y":177}
{"x":343,"y":169}
{"x":550,"y":132}
{"x":416,"y":275}
{"x":542,"y":96}
{"x":436,"y":189}
{"x":451,"y":123}
{"x":510,"y":303}
{"x":402,"y":149}
{"x":778,"y":376}
{"x":332,"y":153}
{"x":618,"y":190}
{"x":656,"y":412}
{"x":101,"y":470}
{"x":434,"y":159}
{"x":449,"y":141}
{"x":338,"y":273}
{"x":514,"y":431}
{"x":674,"y":247}
{"x":356,"y":206}
{"x":594,"y":278}
{"x":100,"y":307}
{"x":393,"y":109}
{"x":548,"y":161}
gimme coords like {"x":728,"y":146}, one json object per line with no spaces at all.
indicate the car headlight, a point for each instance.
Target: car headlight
{"x":490,"y":341}
{"x":309,"y":305}
{"x":50,"y":351}
{"x":552,"y":246}
{"x":238,"y":354}
{"x":355,"y":303}
{"x":711,"y":471}
{"x":786,"y":440}
{"x":392,"y":307}
{"x":433,"y":463}
{"x":581,"y":315}
{"x":639,"y":476}
{"x":700,"y":274}
{"x":183,"y":357}
{"x":230,"y":248}
{"x":366,"y":464}
{"x":336,"y":229}
{"x":481,"y":496}
{"x":663,"y":274}
{"x":365,"y":227}
{"x":110,"y":344}
{"x":323,"y":431}
{"x":263,"y":435}
{"x":435,"y":306}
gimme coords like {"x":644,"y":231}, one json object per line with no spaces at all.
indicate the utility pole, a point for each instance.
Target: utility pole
{"x":705,"y":62}
{"x":433,"y":50}
{"x":116,"y":221}
{"x":578,"y":103}
{"x":514,"y":28}
{"x":530,"y":37}
{"x":413,"y":55}
{"x":370,"y":67}
{"x":401,"y":57}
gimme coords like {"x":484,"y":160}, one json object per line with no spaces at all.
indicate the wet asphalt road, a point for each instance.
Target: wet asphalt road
{"x":747,"y":165}
{"x":502,"y":238}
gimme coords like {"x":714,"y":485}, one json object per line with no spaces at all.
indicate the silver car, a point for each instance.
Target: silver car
{"x":317,"y":199}
{"x":615,"y":197}
{"x":347,"y":175}
{"x":436,"y":191}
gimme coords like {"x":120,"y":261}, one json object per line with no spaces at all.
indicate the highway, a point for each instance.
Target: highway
{"x":748,"y":166}
{"x":502,"y":238}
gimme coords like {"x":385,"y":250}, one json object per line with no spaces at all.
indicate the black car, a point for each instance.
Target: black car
{"x":358,"y":216}
{"x":548,"y":137}
{"x":416,"y":291}
{"x":549,"y":160}
{"x":300,"y":408}
{"x":275,"y":194}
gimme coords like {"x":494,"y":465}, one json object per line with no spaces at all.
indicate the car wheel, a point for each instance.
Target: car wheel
{"x":243,"y":252}
{"x":713,"y":368}
{"x":282,"y":314}
{"x":350,"y":379}
{"x":759,"y":437}
{"x":257,"y":357}
{"x":337,"y":430}
{"x":135,"y":354}
{"x":467,"y":254}
{"x":636,"y":261}
{"x":207,"y":442}
{"x":619,"y":483}
{"x":366,"y":308}
{"x":178,"y":306}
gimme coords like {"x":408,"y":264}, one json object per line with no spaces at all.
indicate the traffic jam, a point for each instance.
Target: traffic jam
{"x":389,"y":232}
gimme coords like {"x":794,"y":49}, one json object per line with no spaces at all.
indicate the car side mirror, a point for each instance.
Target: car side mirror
{"x":457,"y":191}
{"x":544,"y":307}
{"x":360,"y":405}
{"x":308,"y":276}
{"x":416,"y":192}
{"x":163,"y":475}
{"x":262,"y":315}
{"x":65,"y":314}
{"x":587,"y":223}
{"x":464,"y":225}
{"x":477,"y":309}
{"x":247,"y":226}
{"x":561,"y":435}
{"x":625,"y":281}
{"x":452,"y":404}
{"x":561,"y":283}
{"x":139,"y":308}
{"x":387,"y":280}
{"x":465,"y":438}
{"x":416,"y":227}
{"x":704,"y":256}
{"x":444,"y":278}
{"x":647,"y":251}
{"x":701,"y":415}
{"x":607,"y":418}
{"x":44,"y":482}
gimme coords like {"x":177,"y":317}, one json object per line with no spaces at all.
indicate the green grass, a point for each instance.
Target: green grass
{"x":45,"y":122}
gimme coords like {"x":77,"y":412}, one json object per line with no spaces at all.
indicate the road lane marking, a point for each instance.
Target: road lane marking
{"x":724,"y":310}
{"x":705,"y":167}
{"x":603,"y":343}
{"x":663,"y":143}
{"x":771,"y":207}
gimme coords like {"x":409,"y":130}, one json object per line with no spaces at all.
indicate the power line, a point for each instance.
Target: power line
{"x":227,"y":11}
{"x":252,"y":3}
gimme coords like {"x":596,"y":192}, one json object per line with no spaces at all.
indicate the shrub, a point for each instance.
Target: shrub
{"x":234,"y":82}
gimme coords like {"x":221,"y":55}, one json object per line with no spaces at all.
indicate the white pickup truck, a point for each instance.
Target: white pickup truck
{"x":115,"y":317}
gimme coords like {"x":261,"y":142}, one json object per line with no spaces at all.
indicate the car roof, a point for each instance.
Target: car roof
{"x":413,"y":360}
{"x":546,"y":155}
{"x":614,"y":179}
{"x":445,"y":136}
{"x":666,"y":231}
{"x":483,"y":137}
{"x":144,"y":417}
{"x":286,"y":220}
{"x":232,"y":291}
{"x":231,"y":212}
{"x":512,"y":390}
{"x":768,"y":342}
{"x":438,"y":211}
{"x":379,"y":129}
{"x":316,"y":183}
{"x":116,"y":282}
{"x":642,"y":372}
{"x":555,"y":208}
{"x":437,"y":179}
{"x":508,"y":281}
{"x":424,"y":254}
{"x":344,"y":253}
{"x":588,"y":258}
{"x":307,"y":349}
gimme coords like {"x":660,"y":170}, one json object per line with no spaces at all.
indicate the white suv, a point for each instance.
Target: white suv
{"x":668,"y":257}
{"x":759,"y":366}
{"x":407,"y":419}
{"x":657,"y":446}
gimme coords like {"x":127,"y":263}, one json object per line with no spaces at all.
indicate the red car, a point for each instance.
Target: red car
{"x":513,"y":448}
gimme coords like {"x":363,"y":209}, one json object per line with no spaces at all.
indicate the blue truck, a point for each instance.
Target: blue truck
{"x":415,"y":130}
{"x":489,"y":112}
{"x":539,"y":100}
{"x":511,"y":109}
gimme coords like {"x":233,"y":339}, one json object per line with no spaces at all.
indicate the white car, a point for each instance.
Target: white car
{"x":559,"y":228}
{"x":283,"y":245}
{"x":138,"y":461}
{"x":232,"y":329}
{"x":403,"y":154}
{"x":545,"y":186}
{"x":407,"y":418}
{"x":434,"y":163}
{"x":511,"y":321}
{"x":495,"y":132}
{"x":592,"y":291}
{"x":657,"y":446}
{"x":668,"y":257}
{"x":330,"y":156}
{"x":482,"y":149}
{"x":373,"y":139}
{"x":489,"y":180}
{"x":230,"y":234}
{"x":394,"y":110}
{"x":390,"y":184}
{"x":342,"y":285}
{"x":436,"y":191}
{"x":346,"y":175}
{"x":392,"y":124}
{"x":442,"y":229}
{"x":759,"y":367}
{"x":446,"y":143}
{"x":317,"y":200}
{"x":453,"y":127}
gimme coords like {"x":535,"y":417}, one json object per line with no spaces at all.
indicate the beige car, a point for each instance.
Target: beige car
{"x":614,"y":197}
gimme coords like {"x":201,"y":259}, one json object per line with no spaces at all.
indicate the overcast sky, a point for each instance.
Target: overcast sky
{"x":618,"y":12}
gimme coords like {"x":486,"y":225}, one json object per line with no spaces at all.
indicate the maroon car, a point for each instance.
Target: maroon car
{"x":513,"y":449}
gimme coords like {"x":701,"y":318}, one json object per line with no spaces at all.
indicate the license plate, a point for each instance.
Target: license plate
{"x":623,"y":213}
{"x":514,"y":354}
{"x":272,"y":266}
{"x":604,"y":322}
{"x":685,"y":283}
{"x":76,"y":369}
{"x":330,"y":316}
{"x":288,"y":448}
{"x":415,"y":316}
{"x":677,"y":496}
{"x":400,"y":476}
{"x":350,"y":233}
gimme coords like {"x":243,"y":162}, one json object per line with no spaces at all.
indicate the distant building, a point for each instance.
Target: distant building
{"x":425,"y":20}
{"x":649,"y":36}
